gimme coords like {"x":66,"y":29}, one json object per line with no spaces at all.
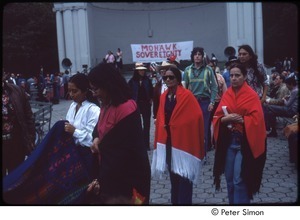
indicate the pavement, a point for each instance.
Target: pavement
{"x":279,"y":184}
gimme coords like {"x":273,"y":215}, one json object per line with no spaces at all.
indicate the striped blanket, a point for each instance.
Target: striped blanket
{"x":57,"y":172}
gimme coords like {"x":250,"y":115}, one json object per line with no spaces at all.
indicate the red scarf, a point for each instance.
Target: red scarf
{"x":187,"y":135}
{"x":246,"y":103}
{"x":110,"y":116}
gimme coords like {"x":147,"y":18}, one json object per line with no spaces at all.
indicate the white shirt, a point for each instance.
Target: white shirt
{"x":13,"y":80}
{"x":84,"y":121}
{"x":119,"y":56}
{"x":164,"y":87}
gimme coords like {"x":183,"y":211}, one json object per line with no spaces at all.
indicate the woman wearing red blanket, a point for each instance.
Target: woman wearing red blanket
{"x":240,"y":135}
{"x":179,"y":138}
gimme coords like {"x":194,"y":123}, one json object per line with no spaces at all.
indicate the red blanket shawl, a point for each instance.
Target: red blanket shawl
{"x":246,"y":103}
{"x":187,"y":136}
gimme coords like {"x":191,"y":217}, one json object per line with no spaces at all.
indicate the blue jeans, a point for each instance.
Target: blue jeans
{"x":206,"y":115}
{"x":236,"y":187}
{"x":273,"y":111}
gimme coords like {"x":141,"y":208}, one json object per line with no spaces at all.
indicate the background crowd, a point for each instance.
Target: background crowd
{"x":195,"y":110}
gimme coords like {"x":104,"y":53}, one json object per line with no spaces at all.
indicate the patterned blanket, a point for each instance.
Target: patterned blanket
{"x":57,"y":172}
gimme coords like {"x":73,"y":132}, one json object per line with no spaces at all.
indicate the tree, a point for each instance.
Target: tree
{"x":29,"y":38}
{"x":280,"y":23}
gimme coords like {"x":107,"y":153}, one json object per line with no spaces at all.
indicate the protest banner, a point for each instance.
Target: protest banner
{"x":159,"y":52}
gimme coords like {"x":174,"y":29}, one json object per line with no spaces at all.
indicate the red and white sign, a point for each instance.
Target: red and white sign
{"x":159,"y":52}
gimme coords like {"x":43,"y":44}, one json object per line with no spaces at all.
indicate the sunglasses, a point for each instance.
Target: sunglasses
{"x":166,"y":77}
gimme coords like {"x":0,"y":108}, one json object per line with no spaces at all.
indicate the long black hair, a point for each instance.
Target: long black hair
{"x":253,"y":62}
{"x":81,"y":81}
{"x":104,"y":76}
{"x":136,"y":76}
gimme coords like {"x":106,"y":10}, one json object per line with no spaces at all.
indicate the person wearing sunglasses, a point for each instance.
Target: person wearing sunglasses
{"x":160,"y":86}
{"x":179,"y":138}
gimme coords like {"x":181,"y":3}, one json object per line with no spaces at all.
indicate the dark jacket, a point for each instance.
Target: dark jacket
{"x":124,"y":163}
{"x":24,"y":115}
{"x":146,"y":83}
{"x":156,"y":97}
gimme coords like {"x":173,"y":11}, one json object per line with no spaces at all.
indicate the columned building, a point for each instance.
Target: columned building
{"x":73,"y":34}
{"x":87,"y":30}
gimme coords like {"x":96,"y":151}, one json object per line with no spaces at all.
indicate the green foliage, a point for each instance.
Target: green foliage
{"x":280,"y":23}
{"x":30,"y":40}
{"x":29,"y":37}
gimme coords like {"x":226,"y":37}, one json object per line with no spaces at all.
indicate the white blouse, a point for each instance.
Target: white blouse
{"x":84,"y":121}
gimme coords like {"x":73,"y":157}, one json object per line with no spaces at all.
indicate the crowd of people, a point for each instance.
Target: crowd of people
{"x":116,"y":60}
{"x":195,"y":110}
{"x":43,"y":87}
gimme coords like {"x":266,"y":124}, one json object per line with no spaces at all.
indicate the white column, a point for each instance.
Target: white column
{"x":245,"y":26}
{"x":76,"y":41}
{"x":246,"y":12}
{"x":259,"y":36}
{"x":240,"y":20}
{"x":69,"y":38}
{"x":60,"y":39}
{"x":232,"y":24}
{"x":83,"y":37}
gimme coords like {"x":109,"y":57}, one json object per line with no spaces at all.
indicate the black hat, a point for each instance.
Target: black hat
{"x":231,"y":59}
{"x":213,"y":57}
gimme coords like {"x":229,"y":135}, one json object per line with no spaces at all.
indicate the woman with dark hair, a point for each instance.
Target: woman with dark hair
{"x":240,"y":136}
{"x":62,"y":166}
{"x":142,"y":93}
{"x":179,"y":138}
{"x":124,"y":175}
{"x":256,"y":74}
{"x":82,"y":115}
{"x":160,"y":86}
{"x":18,"y":131}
